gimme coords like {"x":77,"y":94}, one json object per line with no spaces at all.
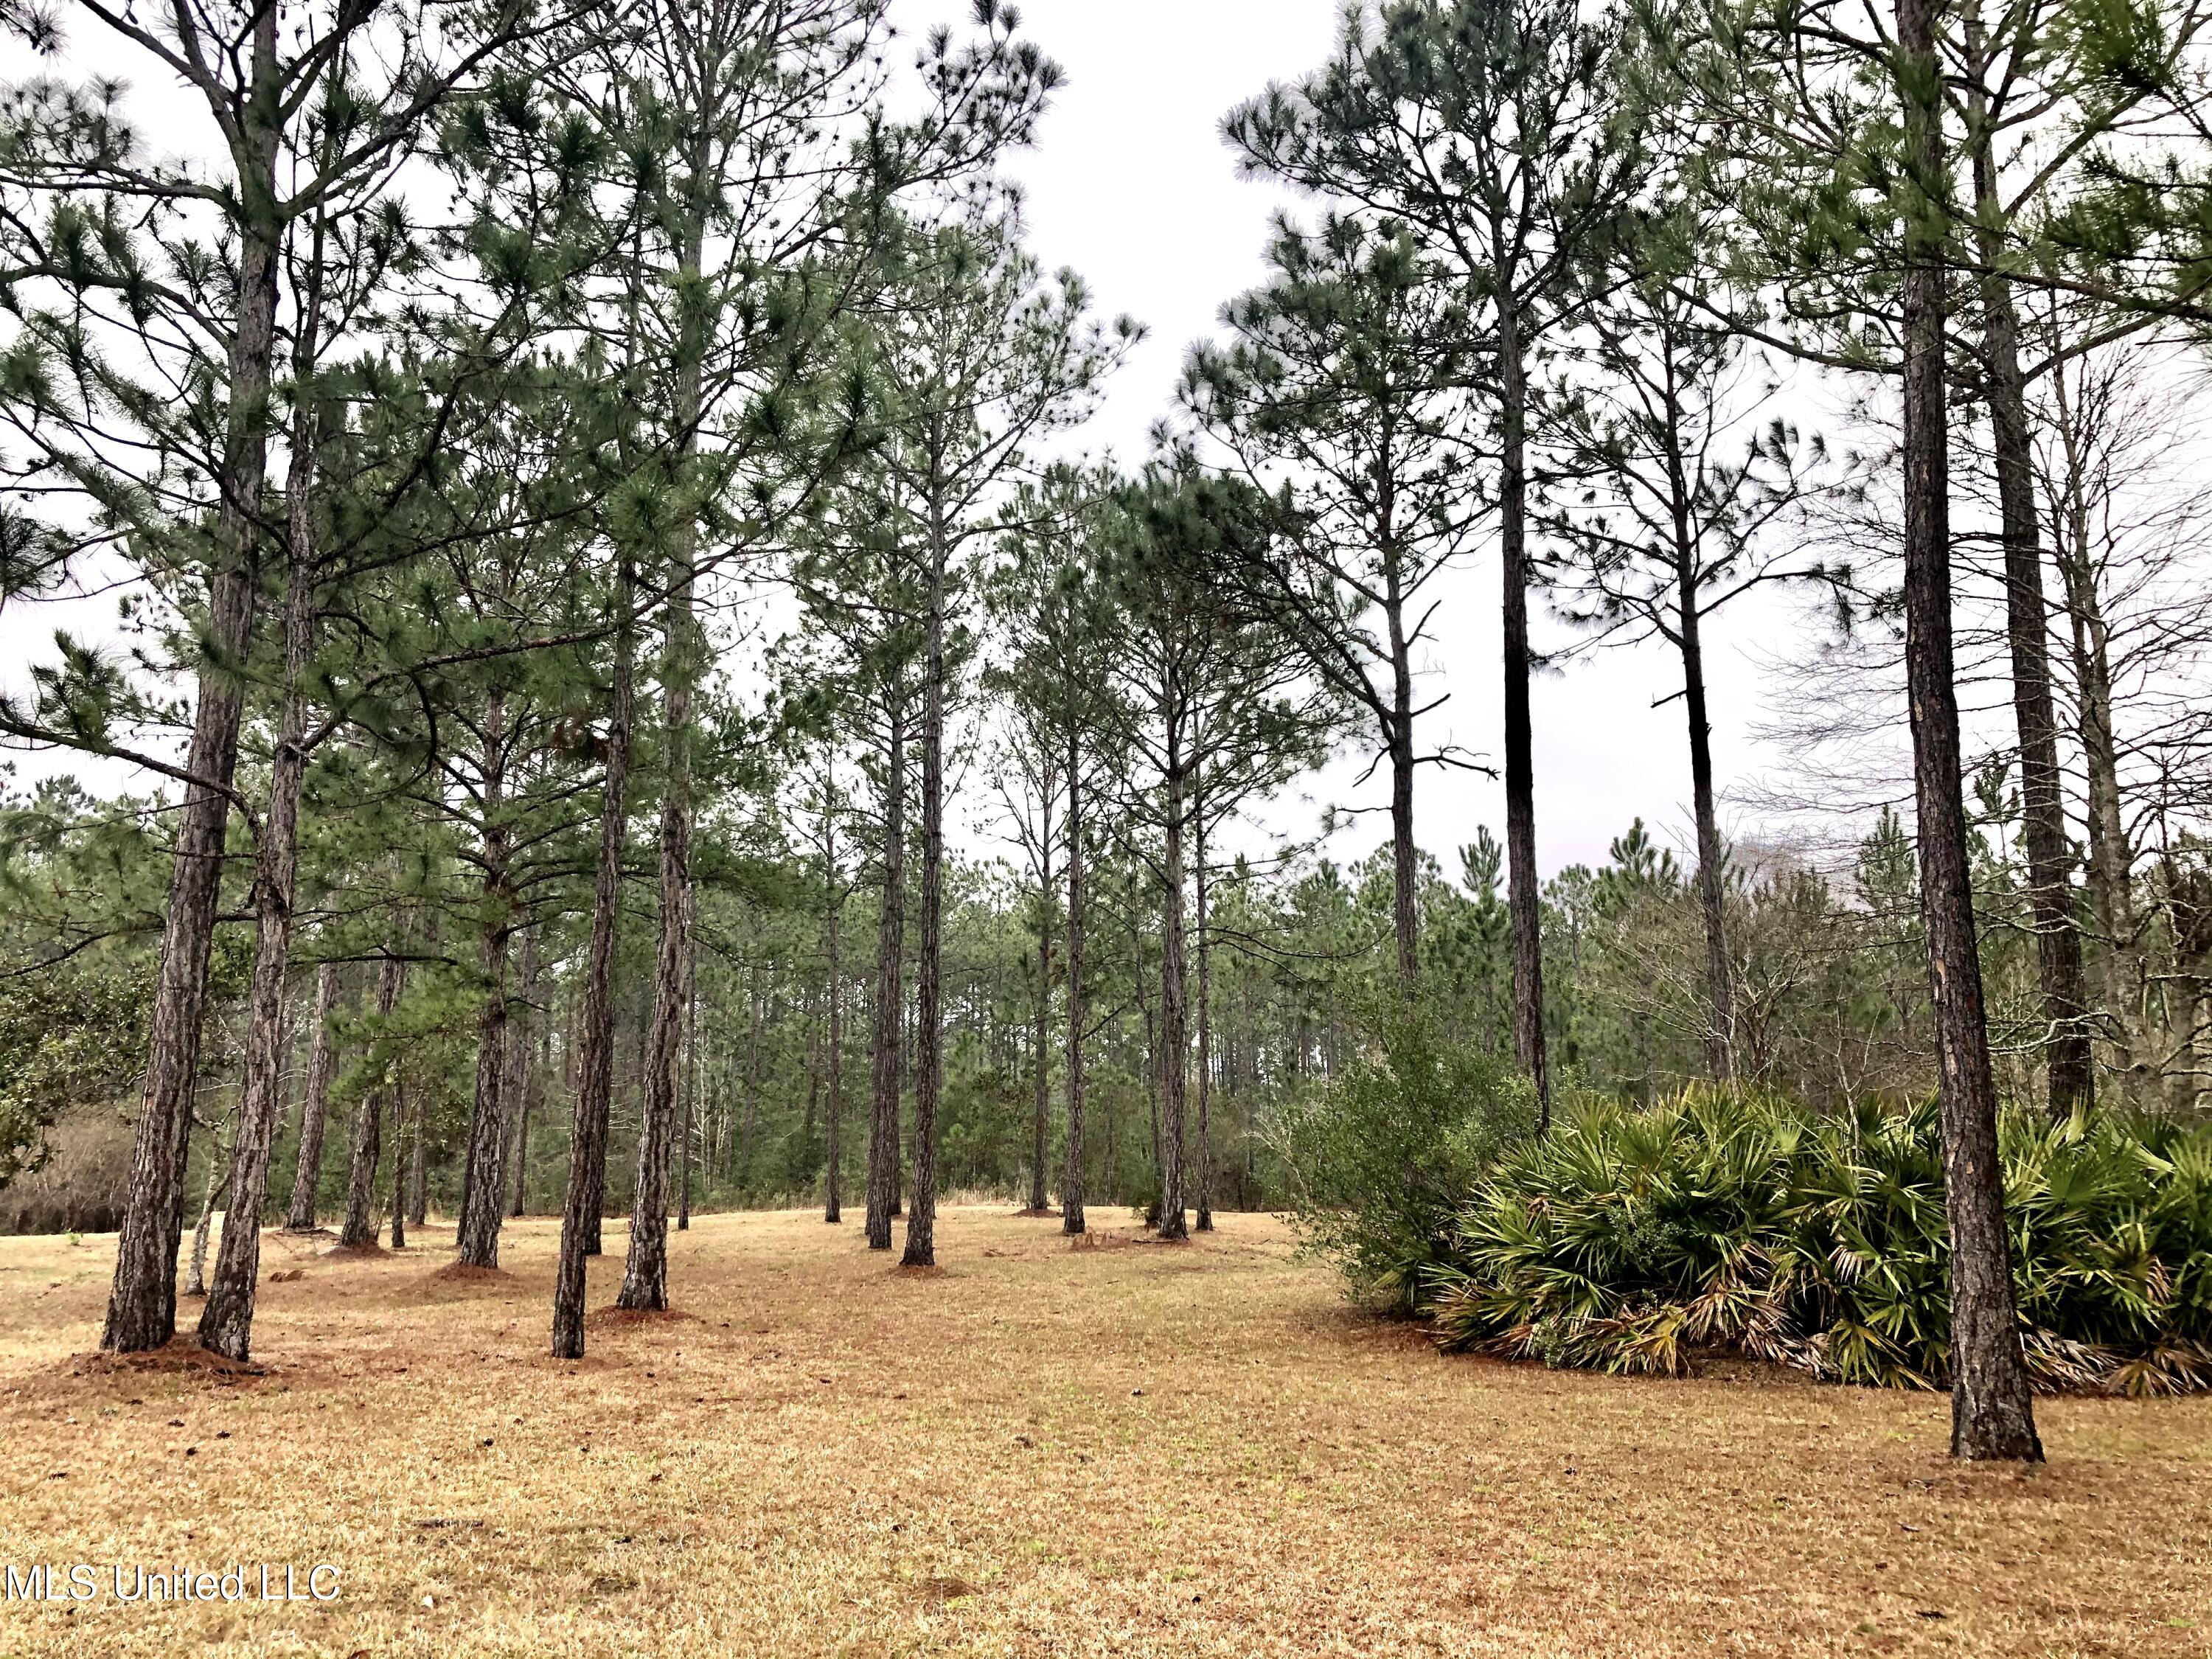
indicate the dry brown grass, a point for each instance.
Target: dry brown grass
{"x":1130,"y":1451}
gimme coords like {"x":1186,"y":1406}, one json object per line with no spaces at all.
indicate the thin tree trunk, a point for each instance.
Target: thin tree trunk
{"x":481,"y":1188}
{"x":831,"y":1212}
{"x":1405,"y":856}
{"x":360,"y":1229}
{"x":227,"y":1321}
{"x":406,"y":1144}
{"x":1175,"y":1221}
{"x":514,"y":1085}
{"x":755,"y":1042}
{"x":2070,"y":1066}
{"x":1071,"y":1190}
{"x":1524,"y":901}
{"x":1040,"y":1129}
{"x":1720,"y":991}
{"x":2111,"y":853}
{"x":1992,"y":1413}
{"x":142,"y":1306}
{"x":645,"y":1274}
{"x":929,"y":986}
{"x":889,"y":1012}
{"x":690,"y":1069}
{"x":418,"y":1165}
{"x":587,"y":1138}
{"x":315,"y":1104}
{"x":217,"y":1180}
{"x":1204,"y":1041}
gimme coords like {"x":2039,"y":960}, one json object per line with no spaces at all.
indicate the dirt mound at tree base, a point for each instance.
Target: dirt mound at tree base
{"x":601,"y":1319}
{"x":466,"y":1273}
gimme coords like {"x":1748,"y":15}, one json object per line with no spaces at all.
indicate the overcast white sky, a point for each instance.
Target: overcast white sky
{"x":1131,"y":184}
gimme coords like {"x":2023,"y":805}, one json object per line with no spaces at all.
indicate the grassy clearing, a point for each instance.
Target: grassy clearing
{"x":1134,"y":1450}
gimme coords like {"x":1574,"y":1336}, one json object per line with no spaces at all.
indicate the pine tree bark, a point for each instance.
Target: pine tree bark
{"x":690,"y":1069}
{"x":1992,"y":1413}
{"x":1720,"y":989}
{"x":645,"y":1274}
{"x":832,"y":1212}
{"x":360,"y":1229}
{"x":481,"y":1188}
{"x":929,"y":981}
{"x":406,"y":1146}
{"x":1040,"y":1126}
{"x":1175,"y":1220}
{"x":216,"y":1180}
{"x":2070,"y":1066}
{"x":514,"y":1082}
{"x":587,"y":1140}
{"x":1524,"y":900}
{"x":315,"y":1104}
{"x":227,"y":1321}
{"x":1070,"y":1188}
{"x":1405,"y":856}
{"x":142,"y":1306}
{"x":1205,"y":1041}
{"x":890,"y":996}
{"x":418,"y":1160}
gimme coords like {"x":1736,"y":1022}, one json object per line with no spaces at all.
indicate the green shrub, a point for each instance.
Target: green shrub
{"x":1628,"y":1239}
{"x":1378,"y":1164}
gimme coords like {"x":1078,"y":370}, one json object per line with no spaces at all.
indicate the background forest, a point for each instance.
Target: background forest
{"x":644,"y":698}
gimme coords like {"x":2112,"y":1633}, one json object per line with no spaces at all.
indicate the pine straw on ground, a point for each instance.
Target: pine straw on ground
{"x":1038,"y":1451}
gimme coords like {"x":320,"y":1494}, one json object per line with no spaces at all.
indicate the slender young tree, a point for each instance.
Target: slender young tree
{"x":1991,"y":1407}
{"x":314,"y":1103}
{"x":978,"y":356}
{"x":1349,"y":368}
{"x":1492,"y":131}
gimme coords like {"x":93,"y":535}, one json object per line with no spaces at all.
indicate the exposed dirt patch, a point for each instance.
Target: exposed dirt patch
{"x":463,"y":1273}
{"x":600,"y":1319}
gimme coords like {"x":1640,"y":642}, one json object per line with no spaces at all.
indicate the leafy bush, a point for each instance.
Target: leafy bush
{"x":1378,"y":1164}
{"x":1628,"y":1239}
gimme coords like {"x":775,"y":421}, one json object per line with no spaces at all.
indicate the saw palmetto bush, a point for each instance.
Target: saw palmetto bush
{"x":1629,"y":1239}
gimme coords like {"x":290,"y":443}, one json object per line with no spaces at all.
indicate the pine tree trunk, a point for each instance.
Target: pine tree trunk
{"x":2110,"y":851}
{"x":314,"y":1103}
{"x":515,"y":1084}
{"x":217,"y":1180}
{"x":142,"y":1306}
{"x":418,"y":1162}
{"x":831,"y":1212}
{"x":227,"y":1321}
{"x":890,"y":1010}
{"x":1071,"y":1191}
{"x":690,"y":1068}
{"x":1205,"y":1042}
{"x":645,"y":1274}
{"x":481,"y":1188}
{"x":1040,"y":1129}
{"x":586,"y":1197}
{"x":1720,"y":990}
{"x":360,"y":1229}
{"x":2069,"y":1064}
{"x":1992,"y":1414}
{"x":1524,"y":901}
{"x":406,"y":1145}
{"x":1175,"y":1221}
{"x":1405,"y":856}
{"x":757,"y":1041}
{"x":929,"y":986}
